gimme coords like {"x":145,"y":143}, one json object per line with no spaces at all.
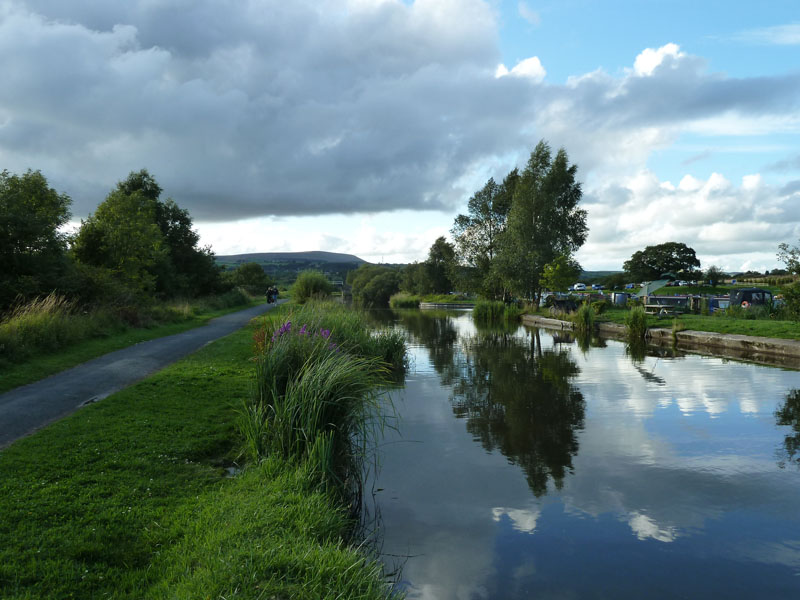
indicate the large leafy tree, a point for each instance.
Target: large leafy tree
{"x":147,"y":242}
{"x":373,"y":285}
{"x":32,"y":249}
{"x":654,"y":261}
{"x":477,"y":233}
{"x":559,"y":274}
{"x":440,"y":266}
{"x":544,"y":221}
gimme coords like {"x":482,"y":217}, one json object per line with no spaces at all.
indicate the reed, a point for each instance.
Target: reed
{"x":636,"y":324}
{"x":495,"y":312}
{"x":584,"y":319}
{"x":404,"y":300}
{"x":317,"y":398}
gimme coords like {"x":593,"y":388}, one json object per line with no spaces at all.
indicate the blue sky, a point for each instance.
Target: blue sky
{"x":364,"y":126}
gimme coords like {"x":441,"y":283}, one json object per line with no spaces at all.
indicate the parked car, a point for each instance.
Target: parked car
{"x":597,"y":286}
{"x":630,"y":286}
{"x":683,"y":283}
{"x":579,"y":287}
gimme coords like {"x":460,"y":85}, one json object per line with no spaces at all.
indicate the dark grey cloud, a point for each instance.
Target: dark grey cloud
{"x":259,"y":107}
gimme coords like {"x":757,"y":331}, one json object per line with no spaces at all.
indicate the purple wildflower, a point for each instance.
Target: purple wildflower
{"x":326,"y":333}
{"x":303,"y":330}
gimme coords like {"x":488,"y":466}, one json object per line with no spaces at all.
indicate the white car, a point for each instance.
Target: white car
{"x":579,"y":287}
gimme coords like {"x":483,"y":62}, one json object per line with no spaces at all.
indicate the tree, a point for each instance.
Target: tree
{"x":123,"y":237}
{"x":672,"y":257}
{"x":440,"y":265}
{"x":544,"y":221}
{"x":714,"y":275}
{"x":559,"y":274}
{"x":250,"y":276}
{"x":477,"y":234}
{"x":414,"y":279}
{"x":147,"y":243}
{"x":32,"y":250}
{"x":790,"y":256}
{"x":373,"y":285}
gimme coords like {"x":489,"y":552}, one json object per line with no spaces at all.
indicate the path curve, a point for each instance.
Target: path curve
{"x":27,"y":408}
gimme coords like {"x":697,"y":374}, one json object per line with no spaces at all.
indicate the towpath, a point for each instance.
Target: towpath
{"x":27,"y":408}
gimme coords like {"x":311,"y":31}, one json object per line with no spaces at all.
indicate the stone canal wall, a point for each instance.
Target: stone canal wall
{"x":755,"y":348}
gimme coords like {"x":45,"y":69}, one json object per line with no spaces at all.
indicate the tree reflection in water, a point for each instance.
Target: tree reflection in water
{"x":788,"y":414}
{"x":518,"y":399}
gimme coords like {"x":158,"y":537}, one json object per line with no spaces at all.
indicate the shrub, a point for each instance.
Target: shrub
{"x":495,"y":312}
{"x":311,"y":285}
{"x":599,"y":306}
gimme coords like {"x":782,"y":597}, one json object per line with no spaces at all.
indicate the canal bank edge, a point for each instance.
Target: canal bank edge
{"x":755,"y":348}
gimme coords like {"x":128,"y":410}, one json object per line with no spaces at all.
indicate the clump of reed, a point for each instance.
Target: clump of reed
{"x":583,"y":319}
{"x":317,"y":397}
{"x":495,"y":312}
{"x":636,"y":324}
{"x":404,"y":300}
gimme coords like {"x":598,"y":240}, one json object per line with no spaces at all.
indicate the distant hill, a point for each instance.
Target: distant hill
{"x":316,"y":256}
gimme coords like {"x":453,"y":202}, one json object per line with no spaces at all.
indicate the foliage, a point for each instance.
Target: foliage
{"x":310,"y":285}
{"x":440,"y":266}
{"x":373,"y":285}
{"x":146,"y":243}
{"x":599,"y":306}
{"x":53,"y":324}
{"x":316,"y":397}
{"x":584,"y":318}
{"x":250,"y":276}
{"x":560,"y":273}
{"x":636,"y":323}
{"x":672,"y":257}
{"x":544,"y":221}
{"x":32,"y":250}
{"x":404,"y":300}
{"x":714,"y":275}
{"x":495,"y":312}
{"x":477,"y":234}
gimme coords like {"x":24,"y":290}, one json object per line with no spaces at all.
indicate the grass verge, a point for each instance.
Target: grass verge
{"x":43,"y":364}
{"x":129,"y":498}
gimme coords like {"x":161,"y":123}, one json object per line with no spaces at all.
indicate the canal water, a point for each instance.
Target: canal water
{"x":528,"y":465}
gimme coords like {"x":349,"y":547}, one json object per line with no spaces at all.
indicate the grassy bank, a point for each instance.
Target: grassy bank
{"x":130,"y":498}
{"x":49,"y":336}
{"x":717,"y":324}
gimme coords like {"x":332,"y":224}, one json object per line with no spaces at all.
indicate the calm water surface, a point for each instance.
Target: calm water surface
{"x":525,"y":466}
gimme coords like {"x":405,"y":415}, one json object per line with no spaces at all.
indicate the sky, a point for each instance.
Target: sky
{"x":364,"y":126}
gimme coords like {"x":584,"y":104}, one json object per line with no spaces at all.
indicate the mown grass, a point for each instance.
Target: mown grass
{"x":128,"y":498}
{"x":94,"y":335}
{"x":718,"y":324}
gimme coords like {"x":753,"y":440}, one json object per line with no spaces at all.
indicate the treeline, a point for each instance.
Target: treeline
{"x":517,"y":238}
{"x":134,"y":248}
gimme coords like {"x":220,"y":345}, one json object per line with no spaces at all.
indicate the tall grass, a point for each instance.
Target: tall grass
{"x":636,"y":324}
{"x":317,"y":399}
{"x":495,"y":312}
{"x":46,"y":325}
{"x":584,"y":319}
{"x":404,"y":300}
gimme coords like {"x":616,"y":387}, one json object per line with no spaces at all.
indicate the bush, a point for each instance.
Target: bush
{"x":311,"y":285}
{"x":599,"y":306}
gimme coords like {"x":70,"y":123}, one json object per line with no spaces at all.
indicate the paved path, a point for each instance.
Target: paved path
{"x":29,"y":407}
